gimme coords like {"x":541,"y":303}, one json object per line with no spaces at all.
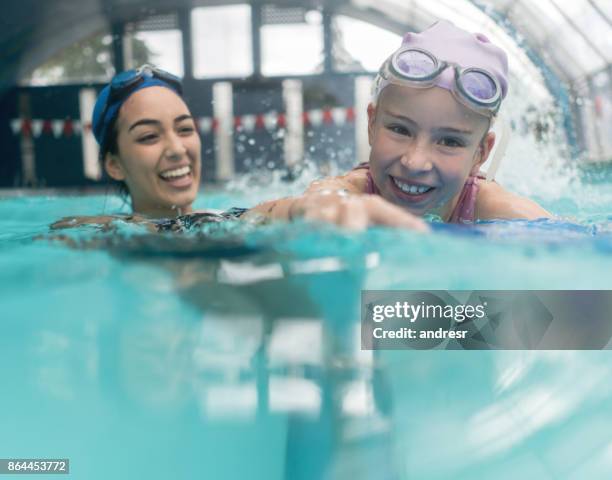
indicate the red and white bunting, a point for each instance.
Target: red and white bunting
{"x":16,"y":125}
{"x":205,"y":124}
{"x":327,"y":116}
{"x":77,"y":127}
{"x":57,"y":127}
{"x":339,"y":116}
{"x":47,"y":127}
{"x":315,"y":117}
{"x":350,"y":114}
{"x":26,"y":127}
{"x":270,"y":121}
{"x":248,"y":123}
{"x":37,"y":127}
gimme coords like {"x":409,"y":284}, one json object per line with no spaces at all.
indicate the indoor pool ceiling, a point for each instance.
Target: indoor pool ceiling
{"x":573,"y":37}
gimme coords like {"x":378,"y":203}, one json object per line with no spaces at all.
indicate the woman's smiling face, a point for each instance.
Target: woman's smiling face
{"x":158,"y":153}
{"x":424,"y":145}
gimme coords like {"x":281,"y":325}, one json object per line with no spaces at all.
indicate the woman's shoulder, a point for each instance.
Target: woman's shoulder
{"x":495,"y":202}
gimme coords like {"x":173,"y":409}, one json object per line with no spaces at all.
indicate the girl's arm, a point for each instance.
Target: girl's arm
{"x":286,"y":208}
{"x":340,"y":201}
{"x":494,"y":202}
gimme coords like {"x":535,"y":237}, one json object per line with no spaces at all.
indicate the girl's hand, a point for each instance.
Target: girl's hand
{"x":355,"y":212}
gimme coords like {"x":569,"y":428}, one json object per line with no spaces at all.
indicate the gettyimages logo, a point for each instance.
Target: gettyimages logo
{"x":477,"y":320}
{"x":412,"y":312}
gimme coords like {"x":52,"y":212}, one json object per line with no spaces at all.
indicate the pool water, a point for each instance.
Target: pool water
{"x":234,"y":353}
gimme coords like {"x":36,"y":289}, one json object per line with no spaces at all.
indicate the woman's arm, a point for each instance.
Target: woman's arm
{"x":495,"y":202}
{"x":69,"y":222}
{"x":104,"y":221}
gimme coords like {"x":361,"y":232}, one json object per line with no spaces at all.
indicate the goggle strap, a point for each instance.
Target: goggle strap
{"x":499,"y":150}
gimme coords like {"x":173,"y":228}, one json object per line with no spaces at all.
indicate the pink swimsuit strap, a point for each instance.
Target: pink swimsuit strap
{"x":371,"y":187}
{"x":465,"y":210}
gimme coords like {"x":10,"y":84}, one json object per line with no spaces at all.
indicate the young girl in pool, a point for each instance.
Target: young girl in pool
{"x":150,"y":145}
{"x":434,"y":101}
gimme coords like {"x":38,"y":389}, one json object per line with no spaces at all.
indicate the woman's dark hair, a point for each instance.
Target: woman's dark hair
{"x":110,"y":145}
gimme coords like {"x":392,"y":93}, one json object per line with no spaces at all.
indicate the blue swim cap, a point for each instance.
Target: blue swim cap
{"x":103,"y":117}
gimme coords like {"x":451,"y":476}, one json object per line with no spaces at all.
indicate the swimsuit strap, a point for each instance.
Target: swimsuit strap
{"x":371,"y":187}
{"x":465,"y":210}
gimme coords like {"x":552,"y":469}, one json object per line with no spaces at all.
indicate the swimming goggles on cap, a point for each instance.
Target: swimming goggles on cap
{"x":124,"y":83}
{"x":415,"y":67}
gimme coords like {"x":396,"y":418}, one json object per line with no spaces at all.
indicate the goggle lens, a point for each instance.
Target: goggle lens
{"x":415,"y":64}
{"x":479,"y":85}
{"x":125,"y":79}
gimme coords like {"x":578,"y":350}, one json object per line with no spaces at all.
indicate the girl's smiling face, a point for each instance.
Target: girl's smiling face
{"x":158,"y":153}
{"x":424,"y":146}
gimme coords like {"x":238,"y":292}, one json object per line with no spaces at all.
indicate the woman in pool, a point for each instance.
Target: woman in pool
{"x":149,"y":144}
{"x":433,"y":103}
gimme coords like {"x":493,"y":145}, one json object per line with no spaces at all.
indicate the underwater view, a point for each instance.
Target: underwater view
{"x":233,"y":351}
{"x":196,"y":201}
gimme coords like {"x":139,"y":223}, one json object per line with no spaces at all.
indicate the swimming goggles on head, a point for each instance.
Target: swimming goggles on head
{"x":124,"y":83}
{"x":475,"y":88}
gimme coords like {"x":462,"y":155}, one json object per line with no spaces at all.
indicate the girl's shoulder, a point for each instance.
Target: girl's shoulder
{"x":495,"y":202}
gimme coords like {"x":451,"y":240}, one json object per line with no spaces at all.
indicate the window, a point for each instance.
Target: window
{"x":291,"y":41}
{"x":222,"y":41}
{"x":352,"y":46}
{"x":89,"y":60}
{"x":156,"y":39}
{"x":164,"y":47}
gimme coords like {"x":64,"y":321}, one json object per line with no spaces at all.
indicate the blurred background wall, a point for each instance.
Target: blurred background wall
{"x":274,"y":84}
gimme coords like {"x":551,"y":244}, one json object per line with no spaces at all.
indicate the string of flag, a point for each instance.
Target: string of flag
{"x":269,"y":121}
